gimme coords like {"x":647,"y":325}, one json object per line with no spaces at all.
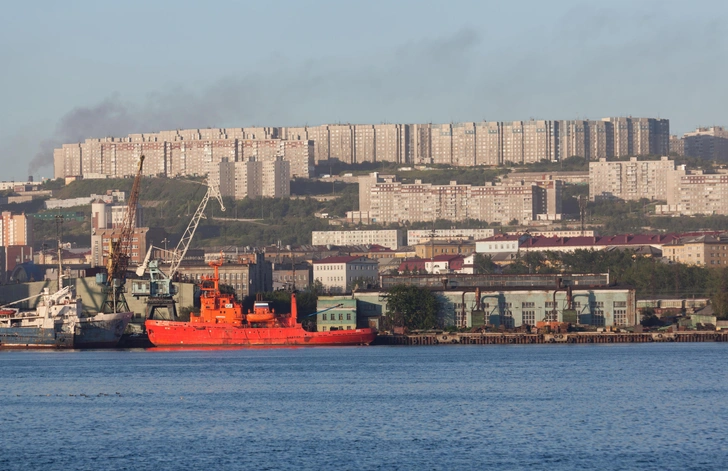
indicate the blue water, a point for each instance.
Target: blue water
{"x":644,"y":407}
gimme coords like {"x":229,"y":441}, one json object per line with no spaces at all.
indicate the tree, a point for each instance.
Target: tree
{"x":412,"y":307}
{"x":484,"y":264}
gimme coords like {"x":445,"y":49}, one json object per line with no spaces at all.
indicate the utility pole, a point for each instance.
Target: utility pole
{"x":582,"y":212}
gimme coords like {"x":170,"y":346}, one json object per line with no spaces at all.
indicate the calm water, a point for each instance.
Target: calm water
{"x":647,"y":407}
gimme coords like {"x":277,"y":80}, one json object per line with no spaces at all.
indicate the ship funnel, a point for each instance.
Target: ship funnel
{"x":294,"y":308}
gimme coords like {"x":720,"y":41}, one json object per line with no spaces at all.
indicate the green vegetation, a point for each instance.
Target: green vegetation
{"x":435,"y":174}
{"x":569,"y":164}
{"x":411,"y":307}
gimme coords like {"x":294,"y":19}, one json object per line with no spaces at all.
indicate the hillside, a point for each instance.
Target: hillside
{"x":168,"y":204}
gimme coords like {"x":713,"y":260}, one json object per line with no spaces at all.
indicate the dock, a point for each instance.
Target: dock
{"x":498,"y":338}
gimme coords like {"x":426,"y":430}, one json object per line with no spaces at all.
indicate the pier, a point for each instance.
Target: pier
{"x":498,"y":338}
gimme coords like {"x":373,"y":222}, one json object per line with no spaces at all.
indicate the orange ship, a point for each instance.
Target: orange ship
{"x":222,"y":322}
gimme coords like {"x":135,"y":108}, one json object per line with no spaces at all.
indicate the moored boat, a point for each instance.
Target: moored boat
{"x":222,"y":322}
{"x":60,"y":322}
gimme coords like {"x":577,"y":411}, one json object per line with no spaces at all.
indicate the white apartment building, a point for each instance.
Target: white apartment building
{"x":415,"y":236}
{"x":391,"y":238}
{"x":632,"y":180}
{"x":499,"y":244}
{"x":342,"y":274}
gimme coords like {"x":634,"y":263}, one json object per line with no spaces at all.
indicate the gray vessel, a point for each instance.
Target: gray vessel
{"x":59,"y":322}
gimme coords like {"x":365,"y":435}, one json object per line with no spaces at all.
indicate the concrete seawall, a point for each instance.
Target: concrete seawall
{"x":573,"y":337}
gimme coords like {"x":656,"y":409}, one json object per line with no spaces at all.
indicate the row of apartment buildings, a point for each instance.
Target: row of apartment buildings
{"x":188,"y":154}
{"x":197,"y":151}
{"x":383,"y":199}
{"x":686,"y":192}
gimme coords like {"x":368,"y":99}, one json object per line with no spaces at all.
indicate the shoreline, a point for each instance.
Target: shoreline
{"x":498,"y":338}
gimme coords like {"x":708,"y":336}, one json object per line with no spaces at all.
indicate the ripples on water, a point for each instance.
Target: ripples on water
{"x":647,"y":407}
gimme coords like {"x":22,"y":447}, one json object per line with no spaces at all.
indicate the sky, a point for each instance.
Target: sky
{"x":89,"y":68}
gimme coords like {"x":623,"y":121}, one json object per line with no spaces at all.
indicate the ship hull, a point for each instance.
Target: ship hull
{"x":186,"y":334}
{"x":34,"y":337}
{"x":101,"y":330}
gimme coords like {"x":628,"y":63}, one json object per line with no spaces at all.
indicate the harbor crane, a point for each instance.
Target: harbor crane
{"x":159,"y":289}
{"x":114,"y":279}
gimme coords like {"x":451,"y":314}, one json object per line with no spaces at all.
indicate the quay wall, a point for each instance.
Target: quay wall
{"x":446,"y":338}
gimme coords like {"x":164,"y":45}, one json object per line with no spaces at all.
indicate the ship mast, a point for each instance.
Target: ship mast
{"x":59,"y":227}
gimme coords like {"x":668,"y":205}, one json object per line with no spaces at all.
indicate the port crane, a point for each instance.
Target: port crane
{"x":113,"y":281}
{"x":159,"y":289}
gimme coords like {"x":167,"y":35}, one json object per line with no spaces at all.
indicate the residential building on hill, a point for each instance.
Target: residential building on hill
{"x":198,"y":151}
{"x":392,"y":238}
{"x":386,"y":200}
{"x":15,"y":229}
{"x":633,"y":180}
{"x":696,"y":193}
{"x":416,"y":236}
{"x":710,"y":143}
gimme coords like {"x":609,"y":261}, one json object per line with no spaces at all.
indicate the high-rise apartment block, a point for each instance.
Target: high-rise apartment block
{"x":178,"y":153}
{"x":251,"y":178}
{"x":386,"y":200}
{"x":631,"y":180}
{"x":696,"y":193}
{"x":15,"y":229}
{"x":198,"y":151}
{"x":707,"y":143}
{"x":677,"y":146}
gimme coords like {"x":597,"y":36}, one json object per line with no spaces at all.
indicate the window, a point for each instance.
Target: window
{"x":341,"y":316}
{"x":324,"y":318}
{"x":348,"y":316}
{"x":528,"y":304}
{"x":619,"y":303}
{"x":529,"y":317}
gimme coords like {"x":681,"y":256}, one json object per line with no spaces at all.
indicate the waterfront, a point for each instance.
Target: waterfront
{"x":615,"y":406}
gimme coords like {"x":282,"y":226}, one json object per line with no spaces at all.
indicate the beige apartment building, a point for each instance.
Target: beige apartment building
{"x":696,"y":193}
{"x":677,"y":146}
{"x":119,"y":157}
{"x":632,"y":180}
{"x":702,"y":250}
{"x":386,"y":200}
{"x":196,"y":151}
{"x":15,"y":229}
{"x":252,"y":178}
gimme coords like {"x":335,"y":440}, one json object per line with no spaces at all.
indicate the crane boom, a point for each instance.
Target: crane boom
{"x":120,"y":252}
{"x":184,"y":243}
{"x":121,"y":247}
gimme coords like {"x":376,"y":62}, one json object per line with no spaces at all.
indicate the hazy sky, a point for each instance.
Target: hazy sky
{"x":90,"y":68}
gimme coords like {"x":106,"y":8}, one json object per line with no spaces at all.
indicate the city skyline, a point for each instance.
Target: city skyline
{"x":295,"y":64}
